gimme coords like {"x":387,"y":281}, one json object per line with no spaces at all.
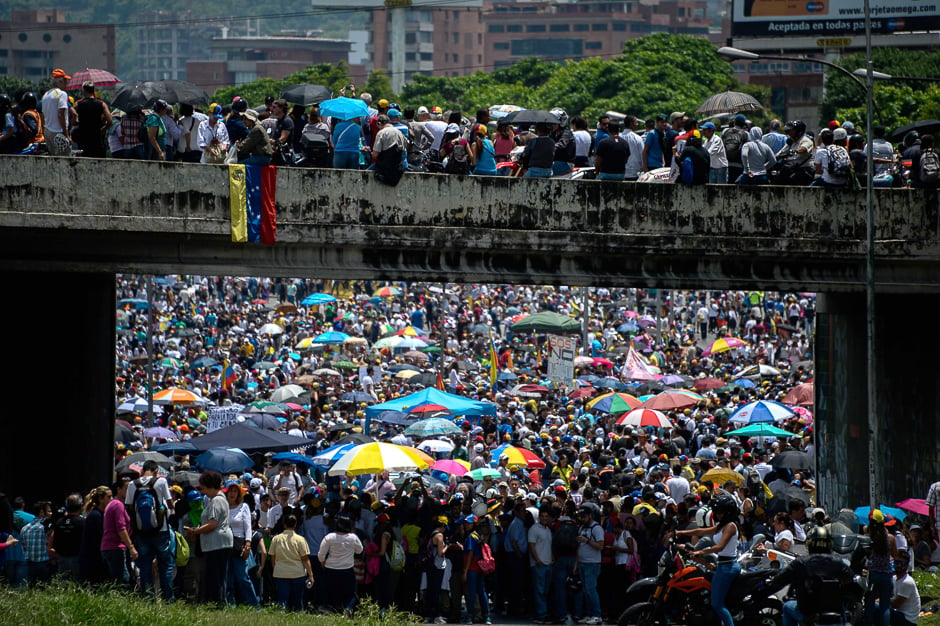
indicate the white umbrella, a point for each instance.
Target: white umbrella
{"x":436,"y":445}
{"x":270,"y":329}
{"x":137,"y":405}
{"x":286,"y":393}
{"x":326,"y":372}
{"x":756,"y":371}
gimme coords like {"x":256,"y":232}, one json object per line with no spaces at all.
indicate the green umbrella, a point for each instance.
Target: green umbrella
{"x":430,"y":349}
{"x":761,"y":429}
{"x":169,"y":363}
{"x":344,"y":365}
{"x":547,"y":321}
{"x":482,"y":472}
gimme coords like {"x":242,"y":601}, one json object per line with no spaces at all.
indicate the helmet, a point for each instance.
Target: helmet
{"x":704,"y":517}
{"x":561,"y":115}
{"x":819,"y":540}
{"x":5,"y":101}
{"x":797,"y":125}
{"x":725,"y":506}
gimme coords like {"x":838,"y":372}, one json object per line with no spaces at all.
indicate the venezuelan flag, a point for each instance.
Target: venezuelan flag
{"x":252,"y":190}
{"x":228,"y":375}
{"x":494,"y":365}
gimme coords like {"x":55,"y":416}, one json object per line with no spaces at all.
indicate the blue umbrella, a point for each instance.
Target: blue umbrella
{"x":761,"y":411}
{"x":134,"y":303}
{"x":743,"y":382}
{"x":627,"y":327}
{"x":357,"y":396}
{"x":203,"y":362}
{"x":331,"y":336}
{"x":397,"y":418}
{"x":293,"y":457}
{"x":175,"y":447}
{"x":506,"y":375}
{"x":862,"y":513}
{"x":224,"y":460}
{"x":318,"y":298}
{"x":344,"y":108}
{"x":332,"y":455}
{"x":608,"y":383}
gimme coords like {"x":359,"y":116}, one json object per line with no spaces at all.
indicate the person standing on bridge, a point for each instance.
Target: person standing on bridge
{"x":55,"y":113}
{"x":213,"y":137}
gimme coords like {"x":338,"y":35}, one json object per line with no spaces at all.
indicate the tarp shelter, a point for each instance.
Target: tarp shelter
{"x":458,"y":405}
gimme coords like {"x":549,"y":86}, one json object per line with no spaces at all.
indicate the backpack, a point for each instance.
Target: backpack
{"x":182,"y":550}
{"x":565,"y":539}
{"x":396,"y":558}
{"x":687,"y":171}
{"x":752,"y":481}
{"x":148,"y":512}
{"x":840,"y":166}
{"x":459,"y":161}
{"x":143,"y":132}
{"x":734,"y":139}
{"x":389,"y":167}
{"x":428,"y":554}
{"x":929,"y":167}
{"x":21,"y":135}
{"x":487,"y":563}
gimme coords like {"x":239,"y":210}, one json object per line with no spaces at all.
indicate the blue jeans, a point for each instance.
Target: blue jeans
{"x":538,"y":172}
{"x":791,"y":614}
{"x":560,"y":572}
{"x":239,"y":583}
{"x":541,"y":579}
{"x":881,"y":588}
{"x":757,"y":179}
{"x":17,"y":572}
{"x":38,"y":572}
{"x":159,"y":547}
{"x":723,"y":578}
{"x":588,"y":596}
{"x":255,"y":159}
{"x":560,"y":167}
{"x":346,"y":160}
{"x":609,"y":176}
{"x":116,"y":562}
{"x":290,"y":593}
{"x":718,"y":176}
{"x":475,"y":589}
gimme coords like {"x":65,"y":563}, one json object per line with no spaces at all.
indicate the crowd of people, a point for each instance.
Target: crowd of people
{"x":674,"y":147}
{"x":555,"y":539}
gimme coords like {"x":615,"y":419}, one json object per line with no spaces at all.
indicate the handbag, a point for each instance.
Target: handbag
{"x":215,"y":154}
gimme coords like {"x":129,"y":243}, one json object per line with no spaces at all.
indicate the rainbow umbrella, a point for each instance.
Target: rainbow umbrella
{"x":517,"y":456}
{"x":724,"y":344}
{"x":645,"y":417}
{"x":411,"y":331}
{"x":761,"y":411}
{"x":614,"y":403}
{"x":387,"y":292}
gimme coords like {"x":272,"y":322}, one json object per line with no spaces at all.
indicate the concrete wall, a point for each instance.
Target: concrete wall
{"x":127,"y":215}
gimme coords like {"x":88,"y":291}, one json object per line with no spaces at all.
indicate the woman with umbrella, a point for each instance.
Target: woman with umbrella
{"x":215,"y":537}
{"x":347,"y":140}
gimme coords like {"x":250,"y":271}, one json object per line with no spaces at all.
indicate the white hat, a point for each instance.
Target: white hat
{"x":255,"y":483}
{"x":478,"y":447}
{"x":422,"y":109}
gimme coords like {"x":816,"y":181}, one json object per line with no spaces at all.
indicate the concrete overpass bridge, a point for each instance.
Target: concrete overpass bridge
{"x":67,"y":225}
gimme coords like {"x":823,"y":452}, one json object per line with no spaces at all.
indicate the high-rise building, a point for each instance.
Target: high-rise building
{"x":35,"y":42}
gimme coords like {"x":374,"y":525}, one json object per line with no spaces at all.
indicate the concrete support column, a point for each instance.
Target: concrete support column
{"x":58,"y":375}
{"x":908,"y":399}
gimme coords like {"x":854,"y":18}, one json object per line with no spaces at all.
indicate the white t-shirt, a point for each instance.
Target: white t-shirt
{"x":162,"y":491}
{"x":541,"y":537}
{"x":678,"y":488}
{"x":52,"y":101}
{"x":582,"y":143}
{"x":906,"y":587}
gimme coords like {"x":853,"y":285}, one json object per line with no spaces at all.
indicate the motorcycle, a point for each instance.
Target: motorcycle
{"x":680,"y":595}
{"x":513,"y":167}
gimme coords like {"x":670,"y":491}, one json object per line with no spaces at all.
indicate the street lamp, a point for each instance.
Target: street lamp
{"x":874,"y":483}
{"x":883,"y":76}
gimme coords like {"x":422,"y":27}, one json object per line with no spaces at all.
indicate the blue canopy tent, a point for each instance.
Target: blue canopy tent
{"x":457,"y":405}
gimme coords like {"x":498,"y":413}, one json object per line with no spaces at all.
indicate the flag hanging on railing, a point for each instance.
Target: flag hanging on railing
{"x":252,"y":191}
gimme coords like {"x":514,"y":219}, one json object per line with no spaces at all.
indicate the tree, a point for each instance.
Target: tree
{"x":335,"y":77}
{"x":379,"y":85}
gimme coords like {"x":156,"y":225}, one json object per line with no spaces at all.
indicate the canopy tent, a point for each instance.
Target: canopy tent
{"x":458,"y":405}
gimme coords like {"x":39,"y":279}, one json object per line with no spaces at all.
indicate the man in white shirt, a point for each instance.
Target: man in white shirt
{"x":635,"y":144}
{"x":55,"y":115}
{"x":678,"y":486}
{"x":213,"y":133}
{"x":717,"y":159}
{"x":541,"y":561}
{"x":905,"y":605}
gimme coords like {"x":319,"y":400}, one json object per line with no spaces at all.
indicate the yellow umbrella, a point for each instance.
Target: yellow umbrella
{"x":406,"y":374}
{"x":721,"y":475}
{"x":375,"y":457}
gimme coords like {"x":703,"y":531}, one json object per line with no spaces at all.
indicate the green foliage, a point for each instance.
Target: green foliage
{"x":531,"y":72}
{"x":900,"y":102}
{"x":379,"y":86}
{"x":9,"y":85}
{"x":333,"y":76}
{"x":64,"y":604}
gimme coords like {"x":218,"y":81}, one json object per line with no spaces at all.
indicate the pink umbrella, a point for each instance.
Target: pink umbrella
{"x":803,"y":413}
{"x":914,"y":506}
{"x":602,"y":362}
{"x":450,"y":467}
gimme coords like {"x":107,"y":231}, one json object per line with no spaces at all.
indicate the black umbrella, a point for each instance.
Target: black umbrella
{"x":428,"y":380}
{"x":250,"y":439}
{"x":530,"y":116}
{"x":792,"y":459}
{"x":395,"y":417}
{"x":123,"y":434}
{"x":338,"y":427}
{"x":135,"y":96}
{"x":355,"y":438}
{"x":139,"y":458}
{"x":924,"y":127}
{"x":185,"y":479}
{"x":306,"y":94}
{"x":180,"y":92}
{"x":263,"y":420}
{"x":729,"y":102}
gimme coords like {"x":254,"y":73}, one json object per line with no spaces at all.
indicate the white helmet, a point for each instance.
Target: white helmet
{"x":561,"y":115}
{"x":704,"y":517}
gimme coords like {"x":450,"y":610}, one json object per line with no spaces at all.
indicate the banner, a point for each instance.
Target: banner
{"x":561,"y":358}
{"x":822,"y":18}
{"x":221,"y":416}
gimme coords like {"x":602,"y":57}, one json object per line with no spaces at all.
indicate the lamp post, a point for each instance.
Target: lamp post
{"x":874,"y":483}
{"x":883,"y":76}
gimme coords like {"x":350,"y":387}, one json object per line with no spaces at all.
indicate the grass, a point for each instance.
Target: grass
{"x":928,"y":585}
{"x":62,"y":603}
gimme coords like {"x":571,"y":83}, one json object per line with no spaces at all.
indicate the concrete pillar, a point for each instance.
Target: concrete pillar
{"x":908,"y":398}
{"x":58,"y":332}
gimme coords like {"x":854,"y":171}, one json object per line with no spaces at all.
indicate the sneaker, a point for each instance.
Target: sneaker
{"x":487,"y":621}
{"x":440,"y":620}
{"x":593,"y":621}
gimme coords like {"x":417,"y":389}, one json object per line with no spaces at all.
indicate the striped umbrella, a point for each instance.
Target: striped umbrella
{"x":375,"y":457}
{"x":614,"y":403}
{"x":729,"y":102}
{"x":387,"y":292}
{"x":761,"y":411}
{"x":332,"y":455}
{"x":174,"y":395}
{"x":517,"y":456}
{"x":645,"y":417}
{"x":100,"y":78}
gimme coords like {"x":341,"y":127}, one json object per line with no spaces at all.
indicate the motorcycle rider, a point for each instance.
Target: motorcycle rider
{"x":796,"y":157}
{"x":725,"y":535}
{"x":819,"y":565}
{"x":564,"y":143}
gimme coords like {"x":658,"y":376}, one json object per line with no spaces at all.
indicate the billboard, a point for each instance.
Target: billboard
{"x":782,"y":18}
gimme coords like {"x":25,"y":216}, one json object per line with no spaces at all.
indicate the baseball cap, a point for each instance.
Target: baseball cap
{"x":452,"y":128}
{"x":469,"y":518}
{"x":675,"y":115}
{"x":217,"y":111}
{"x":57,"y":73}
{"x":255,"y":483}
{"x":393,"y":113}
{"x":834,"y":124}
{"x":88,"y":85}
{"x":422,"y":110}
{"x":708,"y":125}
{"x":662,"y":117}
{"x":532,"y":496}
{"x":437,"y":110}
{"x":839,"y":134}
{"x":478,"y":447}
{"x":848,"y":126}
{"x":739,"y":118}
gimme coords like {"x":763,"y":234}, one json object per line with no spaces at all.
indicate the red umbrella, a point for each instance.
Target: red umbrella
{"x":801,"y":395}
{"x":704,"y":384}
{"x":670,"y":402}
{"x":582,"y":392}
{"x":429,"y":408}
{"x":645,"y":417}
{"x":532,"y":388}
{"x":101,"y":78}
{"x":598,"y":361}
